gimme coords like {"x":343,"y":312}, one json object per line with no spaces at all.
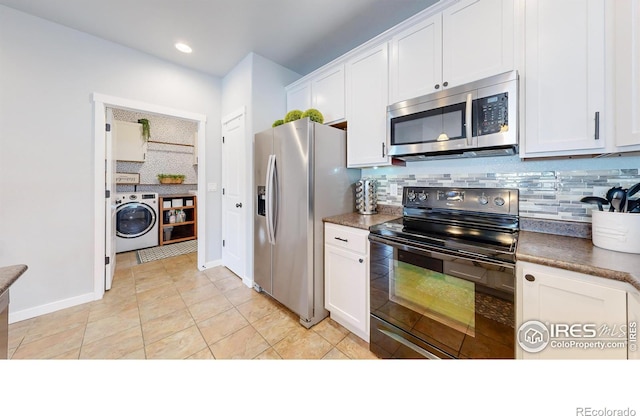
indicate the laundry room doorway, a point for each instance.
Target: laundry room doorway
{"x":109,"y":111}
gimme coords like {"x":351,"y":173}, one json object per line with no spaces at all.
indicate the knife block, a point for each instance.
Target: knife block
{"x":617,"y":231}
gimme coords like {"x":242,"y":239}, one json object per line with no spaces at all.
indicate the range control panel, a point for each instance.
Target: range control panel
{"x":494,"y":200}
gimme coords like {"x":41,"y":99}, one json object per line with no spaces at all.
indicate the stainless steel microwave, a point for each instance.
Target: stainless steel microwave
{"x":475,"y":119}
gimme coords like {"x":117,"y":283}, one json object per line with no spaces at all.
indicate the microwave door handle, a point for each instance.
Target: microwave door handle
{"x":468,"y":119}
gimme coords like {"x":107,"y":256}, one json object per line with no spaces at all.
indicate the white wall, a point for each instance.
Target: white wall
{"x":268,"y":93}
{"x":257,"y":84}
{"x":47,"y":75}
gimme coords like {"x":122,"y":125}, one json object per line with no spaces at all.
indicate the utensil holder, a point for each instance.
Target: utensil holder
{"x":366,"y":196}
{"x":617,"y":231}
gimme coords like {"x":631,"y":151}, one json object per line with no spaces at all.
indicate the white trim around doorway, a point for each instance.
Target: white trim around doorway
{"x":100,"y":103}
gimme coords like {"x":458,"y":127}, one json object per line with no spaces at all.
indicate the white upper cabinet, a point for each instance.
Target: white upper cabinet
{"x":470,"y":40}
{"x":416,"y":60}
{"x":324,"y":92}
{"x":299,"y":97}
{"x":367,"y":97}
{"x":327,"y":94}
{"x":564,"y":77}
{"x":477,"y":40}
{"x":627,"y":73}
{"x":129,"y":144}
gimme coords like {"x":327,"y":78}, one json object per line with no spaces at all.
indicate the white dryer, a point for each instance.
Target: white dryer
{"x":136,"y":221}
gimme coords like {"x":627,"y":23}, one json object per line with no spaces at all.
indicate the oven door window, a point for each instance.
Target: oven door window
{"x":443,"y":298}
{"x":431,"y":126}
{"x":457,"y":305}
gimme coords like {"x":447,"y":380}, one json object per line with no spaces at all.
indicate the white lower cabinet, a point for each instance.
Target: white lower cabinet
{"x":346,"y":277}
{"x":585,"y":316}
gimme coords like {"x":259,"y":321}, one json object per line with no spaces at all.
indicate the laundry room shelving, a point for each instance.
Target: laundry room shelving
{"x":178,"y":231}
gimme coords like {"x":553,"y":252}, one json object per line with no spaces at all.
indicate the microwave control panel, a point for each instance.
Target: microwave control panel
{"x":492,"y":114}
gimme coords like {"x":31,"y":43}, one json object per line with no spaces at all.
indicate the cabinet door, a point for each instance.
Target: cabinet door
{"x":627,"y":104}
{"x":416,"y":60}
{"x":299,"y":97}
{"x":367,"y":97}
{"x":346,"y":291}
{"x":561,"y":297}
{"x":477,"y":40}
{"x":328,"y":94}
{"x":129,"y":145}
{"x":564,"y":79}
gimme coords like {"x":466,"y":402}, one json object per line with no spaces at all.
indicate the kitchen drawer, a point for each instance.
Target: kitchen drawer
{"x":349,"y":238}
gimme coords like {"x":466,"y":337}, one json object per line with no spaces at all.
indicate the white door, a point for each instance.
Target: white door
{"x":234,"y":185}
{"x":110,"y":205}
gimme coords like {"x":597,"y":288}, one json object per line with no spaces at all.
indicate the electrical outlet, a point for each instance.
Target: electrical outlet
{"x":601,"y":191}
{"x":393,"y":189}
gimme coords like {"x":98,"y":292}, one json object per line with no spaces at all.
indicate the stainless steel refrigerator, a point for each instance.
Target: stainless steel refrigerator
{"x":301,"y":177}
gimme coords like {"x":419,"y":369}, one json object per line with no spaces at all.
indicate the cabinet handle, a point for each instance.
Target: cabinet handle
{"x":383,"y":149}
{"x":529,"y":277}
{"x":445,"y":84}
{"x":436,"y":86}
{"x":597,"y":133}
{"x":341,"y":239}
{"x":239,"y":205}
{"x":360,"y":260}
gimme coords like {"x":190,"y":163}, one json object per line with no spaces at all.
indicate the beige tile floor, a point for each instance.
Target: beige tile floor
{"x":168,"y":309}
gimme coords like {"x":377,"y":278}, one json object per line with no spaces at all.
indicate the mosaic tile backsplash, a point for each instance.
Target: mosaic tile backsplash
{"x":552,"y":195}
{"x":162,"y":158}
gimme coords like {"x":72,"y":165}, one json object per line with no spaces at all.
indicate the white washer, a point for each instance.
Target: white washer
{"x":136,"y":221}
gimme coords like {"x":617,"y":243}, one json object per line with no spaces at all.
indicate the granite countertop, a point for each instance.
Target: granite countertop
{"x":357,"y":220}
{"x":8,"y":276}
{"x":578,"y":255}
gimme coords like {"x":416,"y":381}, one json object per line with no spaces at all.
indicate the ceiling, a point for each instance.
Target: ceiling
{"x":301,"y":35}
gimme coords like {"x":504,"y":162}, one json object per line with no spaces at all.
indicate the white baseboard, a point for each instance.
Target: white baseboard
{"x":49,"y":307}
{"x":211,"y":264}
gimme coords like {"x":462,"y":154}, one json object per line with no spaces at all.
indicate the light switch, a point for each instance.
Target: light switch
{"x":212,"y":187}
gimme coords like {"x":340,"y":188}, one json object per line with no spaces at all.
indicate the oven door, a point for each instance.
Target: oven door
{"x":431,"y":304}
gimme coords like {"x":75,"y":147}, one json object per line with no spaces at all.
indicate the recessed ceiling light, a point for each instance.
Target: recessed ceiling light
{"x":183,"y":47}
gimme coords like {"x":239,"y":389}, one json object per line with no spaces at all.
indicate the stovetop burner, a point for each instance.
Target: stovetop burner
{"x":481,"y":222}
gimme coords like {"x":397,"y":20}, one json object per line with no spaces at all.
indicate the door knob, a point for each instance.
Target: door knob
{"x":239,"y":205}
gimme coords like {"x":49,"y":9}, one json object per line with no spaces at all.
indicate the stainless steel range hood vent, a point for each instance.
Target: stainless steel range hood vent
{"x":485,"y":152}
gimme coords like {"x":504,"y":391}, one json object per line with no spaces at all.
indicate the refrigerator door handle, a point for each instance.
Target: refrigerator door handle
{"x":274,"y":200}
{"x":269,"y":198}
